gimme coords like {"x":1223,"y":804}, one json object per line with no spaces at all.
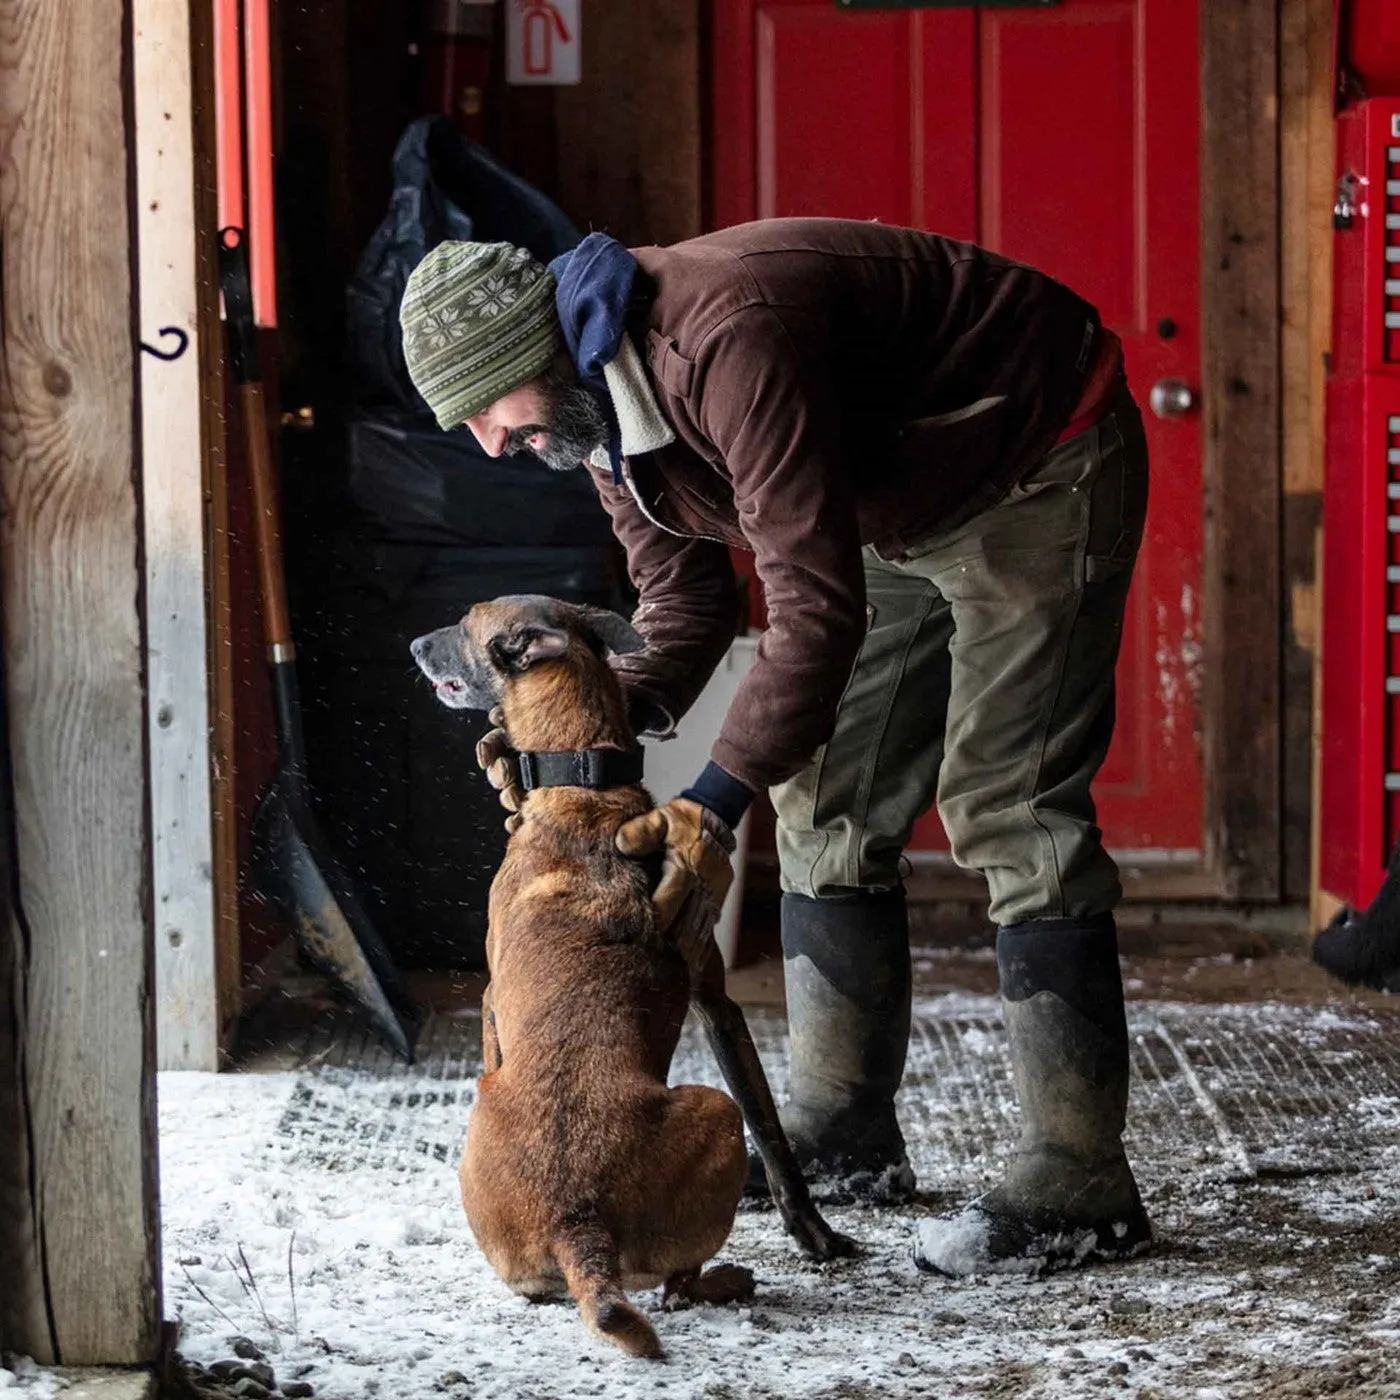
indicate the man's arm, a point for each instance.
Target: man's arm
{"x":771,"y":412}
{"x":687,"y":611}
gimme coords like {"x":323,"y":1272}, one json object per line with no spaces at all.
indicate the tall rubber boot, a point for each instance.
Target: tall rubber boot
{"x":847,"y":974}
{"x":1069,"y":1197}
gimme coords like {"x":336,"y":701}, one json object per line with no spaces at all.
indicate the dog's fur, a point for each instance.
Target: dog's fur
{"x":582,"y":1171}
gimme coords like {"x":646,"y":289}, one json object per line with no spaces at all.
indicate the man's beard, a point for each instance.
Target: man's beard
{"x":573,"y":429}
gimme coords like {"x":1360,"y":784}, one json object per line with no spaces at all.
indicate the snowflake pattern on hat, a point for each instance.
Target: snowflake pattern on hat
{"x":438,"y":329}
{"x":493,"y":296}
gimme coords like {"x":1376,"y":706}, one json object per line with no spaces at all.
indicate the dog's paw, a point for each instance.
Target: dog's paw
{"x":724,"y":1283}
{"x":817,"y":1240}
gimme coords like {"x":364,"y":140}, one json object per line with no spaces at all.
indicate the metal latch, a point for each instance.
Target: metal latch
{"x":1345,"y":209}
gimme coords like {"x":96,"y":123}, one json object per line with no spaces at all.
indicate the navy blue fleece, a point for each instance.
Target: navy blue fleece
{"x":593,"y":291}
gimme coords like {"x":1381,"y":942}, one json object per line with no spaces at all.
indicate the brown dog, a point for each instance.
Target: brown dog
{"x":582,"y":1171}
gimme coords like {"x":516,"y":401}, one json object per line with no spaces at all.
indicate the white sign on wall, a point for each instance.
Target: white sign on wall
{"x":542,"y":42}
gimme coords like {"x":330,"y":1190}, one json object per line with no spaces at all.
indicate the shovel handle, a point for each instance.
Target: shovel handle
{"x":277,"y":620}
{"x":247,"y":375}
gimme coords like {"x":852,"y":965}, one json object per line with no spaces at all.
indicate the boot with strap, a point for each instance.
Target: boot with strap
{"x":847,"y":974}
{"x":1069,"y":1197}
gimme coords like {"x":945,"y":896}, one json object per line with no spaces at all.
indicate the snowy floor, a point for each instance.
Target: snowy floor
{"x":314,"y":1213}
{"x":311,"y":1219}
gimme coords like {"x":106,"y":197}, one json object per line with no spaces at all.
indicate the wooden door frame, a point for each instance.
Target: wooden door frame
{"x":1242,"y":645}
{"x":1242,"y":700}
{"x":174,"y":287}
{"x":79,"y":1248}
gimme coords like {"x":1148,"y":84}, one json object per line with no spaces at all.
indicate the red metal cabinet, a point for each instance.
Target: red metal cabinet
{"x":1360,"y":777}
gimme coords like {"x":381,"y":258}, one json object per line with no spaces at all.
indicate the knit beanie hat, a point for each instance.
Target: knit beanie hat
{"x":478,"y":322}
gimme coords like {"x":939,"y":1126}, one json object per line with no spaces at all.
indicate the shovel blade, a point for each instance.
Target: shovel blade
{"x":296,"y":872}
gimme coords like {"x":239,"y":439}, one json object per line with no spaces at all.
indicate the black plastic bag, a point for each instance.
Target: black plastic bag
{"x":425,"y":486}
{"x":444,"y":187}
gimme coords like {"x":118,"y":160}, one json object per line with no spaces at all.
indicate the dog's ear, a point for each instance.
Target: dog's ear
{"x":527,"y":645}
{"x":612,"y":630}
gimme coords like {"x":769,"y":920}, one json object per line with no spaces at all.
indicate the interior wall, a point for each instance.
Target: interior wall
{"x":620,"y":152}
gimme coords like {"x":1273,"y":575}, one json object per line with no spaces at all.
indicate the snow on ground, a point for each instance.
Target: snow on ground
{"x":316,"y":1215}
{"x":22,"y":1377}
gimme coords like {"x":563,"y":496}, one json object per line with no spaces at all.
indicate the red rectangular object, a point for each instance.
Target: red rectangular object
{"x":262,"y":238}
{"x":1360,"y":778}
{"x":228,"y":113}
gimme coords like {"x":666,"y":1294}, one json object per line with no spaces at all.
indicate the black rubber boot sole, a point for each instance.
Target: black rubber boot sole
{"x":979,"y":1241}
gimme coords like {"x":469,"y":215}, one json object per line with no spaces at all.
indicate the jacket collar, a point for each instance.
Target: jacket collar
{"x":642,"y":426}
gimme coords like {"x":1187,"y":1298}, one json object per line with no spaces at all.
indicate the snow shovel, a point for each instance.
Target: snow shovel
{"x":293,"y":867}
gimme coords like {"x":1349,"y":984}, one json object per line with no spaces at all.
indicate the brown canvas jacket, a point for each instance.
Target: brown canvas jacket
{"x":831,"y":384}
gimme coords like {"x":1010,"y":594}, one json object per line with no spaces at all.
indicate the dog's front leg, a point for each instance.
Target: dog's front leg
{"x":733,"y":1047}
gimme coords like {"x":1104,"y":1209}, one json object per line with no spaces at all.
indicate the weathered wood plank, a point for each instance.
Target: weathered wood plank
{"x":23,"y":1316}
{"x":629,"y":149}
{"x":1306,"y":159}
{"x":70,"y":578}
{"x":187,"y":1026}
{"x":222,"y":727}
{"x":1240,"y":261}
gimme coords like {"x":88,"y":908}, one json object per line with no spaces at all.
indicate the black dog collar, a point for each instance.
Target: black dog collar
{"x":589,"y":768}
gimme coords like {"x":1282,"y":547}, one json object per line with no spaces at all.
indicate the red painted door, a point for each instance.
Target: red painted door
{"x":1066,"y":137}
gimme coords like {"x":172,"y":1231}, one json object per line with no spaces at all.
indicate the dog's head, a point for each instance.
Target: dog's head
{"x":471,"y":663}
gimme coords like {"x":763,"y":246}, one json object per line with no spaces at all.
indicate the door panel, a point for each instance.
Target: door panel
{"x":1065,"y":137}
{"x":857,"y":163}
{"x":1060,"y":127}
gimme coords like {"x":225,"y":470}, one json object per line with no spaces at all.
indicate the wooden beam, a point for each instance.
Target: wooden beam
{"x":70,"y":585}
{"x":1307,"y":139}
{"x":187,"y":1022}
{"x":1243,"y":615}
{"x":218,"y":537}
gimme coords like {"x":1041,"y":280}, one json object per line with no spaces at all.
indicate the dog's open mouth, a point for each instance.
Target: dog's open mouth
{"x":451,"y":688}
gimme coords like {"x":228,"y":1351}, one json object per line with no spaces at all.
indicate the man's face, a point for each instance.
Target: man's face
{"x":553,"y":417}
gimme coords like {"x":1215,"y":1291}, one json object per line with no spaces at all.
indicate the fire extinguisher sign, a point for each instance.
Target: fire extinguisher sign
{"x":542,"y":41}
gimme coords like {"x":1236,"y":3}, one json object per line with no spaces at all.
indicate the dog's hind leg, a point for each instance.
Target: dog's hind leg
{"x":682,"y":1190}
{"x":743,"y":1071}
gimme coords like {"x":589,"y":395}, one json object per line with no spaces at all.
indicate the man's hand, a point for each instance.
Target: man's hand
{"x":697,"y":847}
{"x":497,"y":759}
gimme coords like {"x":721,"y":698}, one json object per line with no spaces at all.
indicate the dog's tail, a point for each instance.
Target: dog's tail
{"x":587,"y":1255}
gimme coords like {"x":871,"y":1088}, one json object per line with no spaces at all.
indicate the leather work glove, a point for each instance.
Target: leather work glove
{"x":496,"y":758}
{"x":696,"y":847}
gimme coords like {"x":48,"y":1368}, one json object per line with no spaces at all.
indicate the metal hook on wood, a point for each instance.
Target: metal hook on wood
{"x":182,"y":343}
